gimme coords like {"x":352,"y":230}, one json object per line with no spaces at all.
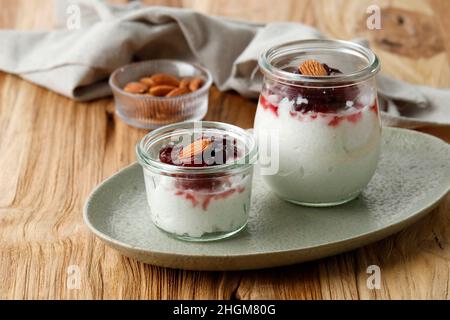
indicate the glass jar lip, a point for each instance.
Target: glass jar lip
{"x":370,"y":70}
{"x":243,"y":163}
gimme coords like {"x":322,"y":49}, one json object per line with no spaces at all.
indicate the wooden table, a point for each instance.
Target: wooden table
{"x":54,"y":151}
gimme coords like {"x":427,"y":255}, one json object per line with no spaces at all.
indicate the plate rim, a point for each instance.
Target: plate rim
{"x":370,"y":236}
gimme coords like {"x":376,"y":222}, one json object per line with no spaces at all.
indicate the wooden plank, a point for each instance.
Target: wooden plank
{"x":54,"y":151}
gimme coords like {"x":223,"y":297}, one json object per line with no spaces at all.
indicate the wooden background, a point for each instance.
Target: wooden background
{"x":54,"y":151}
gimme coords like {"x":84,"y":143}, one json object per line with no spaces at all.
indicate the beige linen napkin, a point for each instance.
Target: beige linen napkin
{"x":77,"y":63}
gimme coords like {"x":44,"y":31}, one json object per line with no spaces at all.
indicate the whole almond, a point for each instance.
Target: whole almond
{"x":312,"y":68}
{"x":147,"y":81}
{"x":135,"y":87}
{"x":161,"y":90}
{"x":195,"y":148}
{"x":178,"y":92}
{"x":195,"y":84}
{"x":184,"y":83}
{"x":165,"y":79}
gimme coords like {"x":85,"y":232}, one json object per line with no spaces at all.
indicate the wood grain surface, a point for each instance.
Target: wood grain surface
{"x":54,"y":151}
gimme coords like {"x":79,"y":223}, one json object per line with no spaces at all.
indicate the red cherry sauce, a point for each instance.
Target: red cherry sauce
{"x":267,"y":105}
{"x":321,"y":101}
{"x":202,"y":190}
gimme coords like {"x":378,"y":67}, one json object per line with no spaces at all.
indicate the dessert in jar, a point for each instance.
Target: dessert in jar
{"x":198,"y":178}
{"x":319,"y":100}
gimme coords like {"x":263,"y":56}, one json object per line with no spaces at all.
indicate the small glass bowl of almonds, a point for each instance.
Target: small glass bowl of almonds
{"x":155,"y":93}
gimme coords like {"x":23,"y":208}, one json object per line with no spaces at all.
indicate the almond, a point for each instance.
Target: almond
{"x":195,"y":84}
{"x":184,"y":83}
{"x":165,"y":79}
{"x":312,"y":68}
{"x":161,"y":90}
{"x":135,"y":87}
{"x":194,"y":149}
{"x":147,"y":81}
{"x":178,"y":92}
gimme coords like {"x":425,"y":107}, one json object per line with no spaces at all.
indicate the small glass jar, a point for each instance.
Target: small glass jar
{"x":327,"y":127}
{"x":201,"y":203}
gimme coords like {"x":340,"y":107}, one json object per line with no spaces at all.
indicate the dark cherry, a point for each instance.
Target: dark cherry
{"x":331,"y":71}
{"x":165,"y":154}
{"x":325,"y":100}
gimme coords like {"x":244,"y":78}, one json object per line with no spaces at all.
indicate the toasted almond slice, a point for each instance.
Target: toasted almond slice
{"x":165,"y":79}
{"x":177,"y":92}
{"x":312,"y":68}
{"x":161,"y":90}
{"x":135,"y":87}
{"x":195,"y":84}
{"x":147,"y":81}
{"x":195,"y":148}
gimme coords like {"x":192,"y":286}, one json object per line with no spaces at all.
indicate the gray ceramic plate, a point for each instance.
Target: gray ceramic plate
{"x":412,"y":176}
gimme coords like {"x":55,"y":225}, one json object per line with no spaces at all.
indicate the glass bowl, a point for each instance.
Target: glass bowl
{"x":150,"y":112}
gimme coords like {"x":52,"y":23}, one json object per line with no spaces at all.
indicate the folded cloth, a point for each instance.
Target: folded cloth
{"x":77,"y":63}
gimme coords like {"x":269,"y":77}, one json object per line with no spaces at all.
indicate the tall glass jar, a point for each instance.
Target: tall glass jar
{"x":199,"y":202}
{"x":327,"y":127}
